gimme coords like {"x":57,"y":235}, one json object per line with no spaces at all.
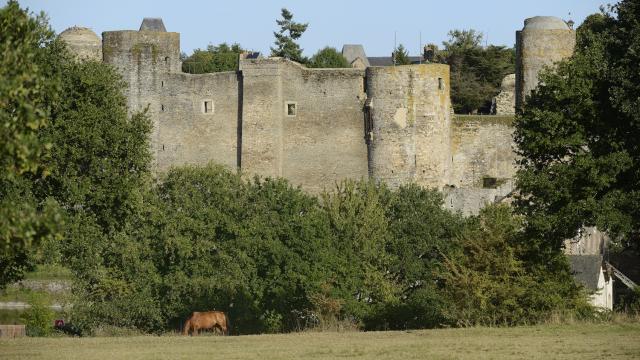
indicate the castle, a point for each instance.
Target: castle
{"x":315,"y":127}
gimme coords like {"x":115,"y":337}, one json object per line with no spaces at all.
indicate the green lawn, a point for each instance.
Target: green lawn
{"x":583,"y":341}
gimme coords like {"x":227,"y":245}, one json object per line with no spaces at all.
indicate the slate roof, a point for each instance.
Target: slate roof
{"x":152,"y":24}
{"x":586,"y":269}
{"x":387,"y":61}
{"x":354,"y":51}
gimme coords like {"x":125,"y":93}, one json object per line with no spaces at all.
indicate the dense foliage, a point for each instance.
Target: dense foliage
{"x":214,"y":59}
{"x":328,"y":58}
{"x":400,"y":56}
{"x":476,"y":71}
{"x":290,"y":31}
{"x":30,"y":85}
{"x":145,"y":253}
{"x":578,"y":137}
{"x":277,"y":259}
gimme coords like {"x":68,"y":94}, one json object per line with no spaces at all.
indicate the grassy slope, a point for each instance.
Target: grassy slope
{"x":582,"y":342}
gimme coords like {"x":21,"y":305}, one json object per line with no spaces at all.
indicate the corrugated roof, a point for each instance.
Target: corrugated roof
{"x":586,"y":269}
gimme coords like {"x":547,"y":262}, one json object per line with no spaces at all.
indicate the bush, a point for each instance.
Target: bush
{"x":39,"y":317}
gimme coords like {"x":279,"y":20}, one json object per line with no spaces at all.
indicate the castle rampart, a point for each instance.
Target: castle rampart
{"x":316,"y":127}
{"x":409,"y":111}
{"x":543,"y":41}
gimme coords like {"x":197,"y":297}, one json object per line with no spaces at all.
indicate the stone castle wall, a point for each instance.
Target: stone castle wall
{"x":316,"y":127}
{"x":543,"y":41}
{"x":322,"y":142}
{"x":409,"y":115}
{"x":482,"y":147}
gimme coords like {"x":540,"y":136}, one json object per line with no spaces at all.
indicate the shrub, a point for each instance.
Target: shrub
{"x":38,"y":317}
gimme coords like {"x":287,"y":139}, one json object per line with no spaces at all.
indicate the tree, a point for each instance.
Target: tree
{"x":290,"y":31}
{"x":490,"y":282}
{"x":476,"y":71}
{"x":400,"y":56}
{"x":328,"y":58}
{"x":578,"y":138}
{"x":30,"y":85}
{"x":100,"y":172}
{"x":214,"y":59}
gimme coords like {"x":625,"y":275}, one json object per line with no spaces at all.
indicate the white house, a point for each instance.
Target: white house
{"x":590,"y":271}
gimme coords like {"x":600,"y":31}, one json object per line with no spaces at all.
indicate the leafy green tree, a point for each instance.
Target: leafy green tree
{"x":476,"y":71}
{"x":290,"y":31}
{"x":214,"y":59}
{"x":328,"y":58}
{"x":400,"y":56}
{"x":422,"y":231}
{"x":463,"y":40}
{"x":30,"y":85}
{"x":490,"y":284}
{"x":100,"y":161}
{"x":578,"y":138}
{"x":360,"y":235}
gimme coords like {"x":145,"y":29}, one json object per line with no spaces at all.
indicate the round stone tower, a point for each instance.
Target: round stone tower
{"x":543,"y":41}
{"x":408,"y":118}
{"x":83,"y":42}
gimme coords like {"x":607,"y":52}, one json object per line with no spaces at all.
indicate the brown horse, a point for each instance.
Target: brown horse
{"x":206,"y":320}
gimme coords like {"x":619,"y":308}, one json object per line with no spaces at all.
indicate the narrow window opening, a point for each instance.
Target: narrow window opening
{"x":207,"y":107}
{"x":162,"y":147}
{"x":162,"y":84}
{"x":441,"y":83}
{"x":162,"y":107}
{"x":489,"y":182}
{"x":166,"y":60}
{"x":291,"y":109}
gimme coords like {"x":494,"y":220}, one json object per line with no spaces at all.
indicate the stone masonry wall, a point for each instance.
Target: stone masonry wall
{"x":186,"y":134}
{"x":409,"y":119}
{"x":542,"y":42}
{"x":323,"y":143}
{"x":482,"y":147}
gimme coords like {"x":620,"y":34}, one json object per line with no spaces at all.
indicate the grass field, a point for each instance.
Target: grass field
{"x":584,"y":341}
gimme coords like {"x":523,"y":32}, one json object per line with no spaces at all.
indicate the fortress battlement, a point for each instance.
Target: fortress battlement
{"x":274,"y":117}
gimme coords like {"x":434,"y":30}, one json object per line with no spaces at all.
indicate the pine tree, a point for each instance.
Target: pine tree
{"x":290,"y":31}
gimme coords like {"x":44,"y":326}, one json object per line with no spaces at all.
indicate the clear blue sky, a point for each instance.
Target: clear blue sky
{"x":331,"y":22}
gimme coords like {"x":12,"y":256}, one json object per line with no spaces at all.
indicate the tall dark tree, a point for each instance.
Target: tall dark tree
{"x":400,"y":56}
{"x":476,"y":71}
{"x":578,"y":137}
{"x":290,"y":31}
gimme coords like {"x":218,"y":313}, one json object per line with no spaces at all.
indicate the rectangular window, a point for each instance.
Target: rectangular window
{"x":440,"y":83}
{"x":489,"y":182}
{"x":291,"y":108}
{"x":207,"y":107}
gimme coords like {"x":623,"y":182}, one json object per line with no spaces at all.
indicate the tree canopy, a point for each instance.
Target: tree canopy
{"x":578,"y":136}
{"x":214,"y":59}
{"x":30,"y":86}
{"x":400,"y":56}
{"x":328,"y":57}
{"x":476,"y":71}
{"x":290,"y":31}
